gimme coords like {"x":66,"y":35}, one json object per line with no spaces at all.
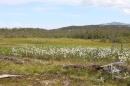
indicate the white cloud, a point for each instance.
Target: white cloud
{"x":119,"y":3}
{"x":127,"y":11}
{"x":122,"y":4}
{"x":14,"y":2}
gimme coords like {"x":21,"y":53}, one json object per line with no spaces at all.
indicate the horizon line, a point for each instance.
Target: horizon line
{"x":55,"y":27}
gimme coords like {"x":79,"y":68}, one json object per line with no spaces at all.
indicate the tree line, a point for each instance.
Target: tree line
{"x":114,"y":33}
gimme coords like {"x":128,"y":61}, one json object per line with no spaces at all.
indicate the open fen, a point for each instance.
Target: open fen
{"x":61,"y":62}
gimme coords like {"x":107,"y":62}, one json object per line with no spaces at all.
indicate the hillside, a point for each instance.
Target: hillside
{"x":112,"y":32}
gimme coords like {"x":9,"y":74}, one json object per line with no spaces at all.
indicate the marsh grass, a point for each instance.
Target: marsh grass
{"x":5,"y":51}
{"x":34,"y":72}
{"x":86,"y":54}
{"x":61,"y":42}
{"x":38,"y":67}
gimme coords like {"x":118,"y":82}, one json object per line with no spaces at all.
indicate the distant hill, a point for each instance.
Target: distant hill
{"x":100,"y":26}
{"x":117,"y":24}
{"x":111,"y":31}
{"x":105,"y":25}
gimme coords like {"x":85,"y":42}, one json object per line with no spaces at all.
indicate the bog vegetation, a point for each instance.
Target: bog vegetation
{"x":70,"y":56}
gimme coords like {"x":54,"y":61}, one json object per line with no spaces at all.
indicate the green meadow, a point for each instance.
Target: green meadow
{"x":47,"y":62}
{"x":61,"y":42}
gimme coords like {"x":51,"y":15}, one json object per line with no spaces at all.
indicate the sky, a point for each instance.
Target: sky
{"x":51,"y":14}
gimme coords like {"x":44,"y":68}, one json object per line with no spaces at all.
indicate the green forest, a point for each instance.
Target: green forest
{"x":113,"y":33}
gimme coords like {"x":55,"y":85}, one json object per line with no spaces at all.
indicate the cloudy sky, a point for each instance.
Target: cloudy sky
{"x":57,"y":13}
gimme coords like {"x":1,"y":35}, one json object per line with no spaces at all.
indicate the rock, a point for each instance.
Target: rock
{"x":116,"y":67}
{"x":8,"y":76}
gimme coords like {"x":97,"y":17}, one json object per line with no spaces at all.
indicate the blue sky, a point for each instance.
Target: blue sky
{"x":51,"y":14}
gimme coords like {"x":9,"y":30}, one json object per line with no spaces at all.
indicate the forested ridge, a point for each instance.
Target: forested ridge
{"x":103,"y":32}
